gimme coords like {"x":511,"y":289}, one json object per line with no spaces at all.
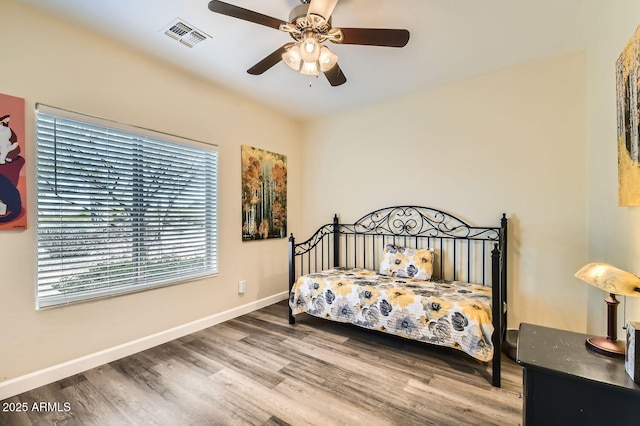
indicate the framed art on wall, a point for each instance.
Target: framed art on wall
{"x":627,"y":75}
{"x":264,"y":194}
{"x":12,"y":164}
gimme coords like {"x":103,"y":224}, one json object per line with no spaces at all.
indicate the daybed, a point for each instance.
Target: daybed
{"x":411,"y":271}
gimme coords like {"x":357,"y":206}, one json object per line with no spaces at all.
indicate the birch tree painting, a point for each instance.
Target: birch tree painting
{"x":264,"y":194}
{"x":627,"y":77}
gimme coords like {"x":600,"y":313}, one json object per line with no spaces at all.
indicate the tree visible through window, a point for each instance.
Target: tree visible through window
{"x":120,"y":209}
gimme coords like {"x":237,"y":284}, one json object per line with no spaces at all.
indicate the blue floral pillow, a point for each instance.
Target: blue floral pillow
{"x":407,"y":262}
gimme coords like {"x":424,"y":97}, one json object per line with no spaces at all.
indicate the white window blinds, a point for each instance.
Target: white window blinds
{"x":120,"y":209}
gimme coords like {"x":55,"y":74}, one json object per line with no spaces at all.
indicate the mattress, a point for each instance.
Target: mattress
{"x":445,"y":313}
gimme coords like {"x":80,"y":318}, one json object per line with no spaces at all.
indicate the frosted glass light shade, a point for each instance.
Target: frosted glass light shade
{"x":310,"y":48}
{"x":292,"y":57}
{"x":327,"y":59}
{"x":309,"y":57}
{"x":309,"y":68}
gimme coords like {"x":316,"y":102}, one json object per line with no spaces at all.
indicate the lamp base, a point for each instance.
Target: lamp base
{"x":604,"y":346}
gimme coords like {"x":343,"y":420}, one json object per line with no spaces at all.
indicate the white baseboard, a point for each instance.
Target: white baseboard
{"x":48,"y":375}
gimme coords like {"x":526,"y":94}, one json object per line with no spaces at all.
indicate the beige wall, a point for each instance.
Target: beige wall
{"x":511,"y":141}
{"x":614,"y":232}
{"x":52,"y":62}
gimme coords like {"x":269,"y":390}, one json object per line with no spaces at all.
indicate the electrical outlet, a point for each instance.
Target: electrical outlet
{"x":242,"y":286}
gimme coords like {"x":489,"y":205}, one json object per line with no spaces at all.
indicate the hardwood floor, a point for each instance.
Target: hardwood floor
{"x":259,"y":370}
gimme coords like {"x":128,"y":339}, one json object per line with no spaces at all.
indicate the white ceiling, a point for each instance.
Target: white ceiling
{"x":450,"y":40}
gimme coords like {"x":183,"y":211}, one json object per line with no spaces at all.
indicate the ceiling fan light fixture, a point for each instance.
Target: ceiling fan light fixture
{"x":309,"y":48}
{"x":327,"y":59}
{"x":292,"y":57}
{"x":309,"y":68}
{"x":310,"y":26}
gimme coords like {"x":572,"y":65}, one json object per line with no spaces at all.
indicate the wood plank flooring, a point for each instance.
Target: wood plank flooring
{"x":259,"y":370}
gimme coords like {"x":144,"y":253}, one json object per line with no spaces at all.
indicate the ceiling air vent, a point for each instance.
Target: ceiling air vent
{"x":185,"y":33}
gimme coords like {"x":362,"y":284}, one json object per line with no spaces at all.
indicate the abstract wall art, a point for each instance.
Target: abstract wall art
{"x":13,"y":183}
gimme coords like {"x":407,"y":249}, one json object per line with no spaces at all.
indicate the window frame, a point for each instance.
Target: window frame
{"x":208,"y":256}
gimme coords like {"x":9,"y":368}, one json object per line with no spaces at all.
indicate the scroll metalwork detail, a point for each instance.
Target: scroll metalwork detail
{"x":420,"y":222}
{"x":302,"y":248}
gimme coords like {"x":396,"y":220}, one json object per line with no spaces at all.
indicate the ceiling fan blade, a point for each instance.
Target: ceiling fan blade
{"x":323,"y":8}
{"x":269,"y":61}
{"x":375,"y":37}
{"x":245,"y":14}
{"x":335,"y":76}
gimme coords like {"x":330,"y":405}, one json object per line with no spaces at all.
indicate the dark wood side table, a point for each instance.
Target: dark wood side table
{"x":567,"y":384}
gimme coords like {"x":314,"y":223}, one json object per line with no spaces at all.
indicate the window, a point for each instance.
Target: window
{"x":120,"y":209}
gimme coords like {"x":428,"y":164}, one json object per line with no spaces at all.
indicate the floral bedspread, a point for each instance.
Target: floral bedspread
{"x":445,"y":313}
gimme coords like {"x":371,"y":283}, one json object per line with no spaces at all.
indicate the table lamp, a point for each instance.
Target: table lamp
{"x":614,"y":281}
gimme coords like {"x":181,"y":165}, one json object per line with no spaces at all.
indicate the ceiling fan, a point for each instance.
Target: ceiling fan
{"x":310,"y":26}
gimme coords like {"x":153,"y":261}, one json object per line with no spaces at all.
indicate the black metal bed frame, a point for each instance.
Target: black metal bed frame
{"x":464,"y":253}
